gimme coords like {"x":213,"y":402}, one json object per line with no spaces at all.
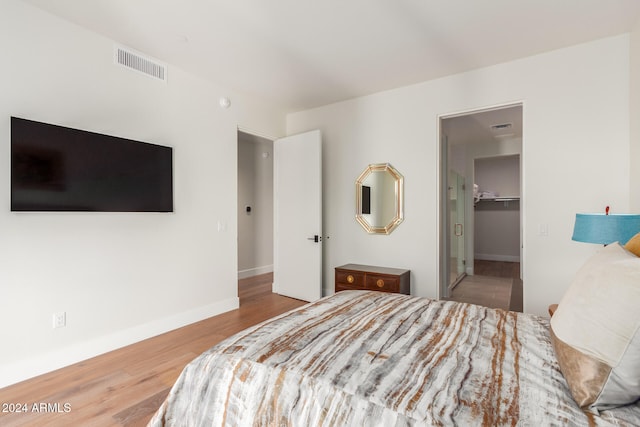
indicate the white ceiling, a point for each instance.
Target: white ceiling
{"x":301,"y":54}
{"x":475,"y":127}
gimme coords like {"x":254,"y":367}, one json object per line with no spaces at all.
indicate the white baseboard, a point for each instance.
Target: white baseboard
{"x":250,"y":272}
{"x":19,"y":371}
{"x":493,"y":257}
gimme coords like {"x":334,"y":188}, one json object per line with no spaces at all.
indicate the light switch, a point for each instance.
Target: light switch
{"x":543,"y":230}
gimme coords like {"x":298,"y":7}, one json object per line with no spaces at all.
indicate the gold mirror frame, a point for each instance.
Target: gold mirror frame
{"x":398,"y":199}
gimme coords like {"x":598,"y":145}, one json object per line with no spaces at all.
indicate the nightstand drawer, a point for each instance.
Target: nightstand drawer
{"x":350,"y":279}
{"x":382,"y":283}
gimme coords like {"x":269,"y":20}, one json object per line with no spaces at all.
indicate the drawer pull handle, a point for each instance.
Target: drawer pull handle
{"x":380,"y":283}
{"x":350,"y":278}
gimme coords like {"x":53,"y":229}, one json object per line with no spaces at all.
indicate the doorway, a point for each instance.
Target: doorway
{"x":277,"y":179}
{"x":255,"y":208}
{"x":474,"y":146}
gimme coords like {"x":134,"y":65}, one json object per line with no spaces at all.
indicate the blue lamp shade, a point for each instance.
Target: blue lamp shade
{"x":605,"y":229}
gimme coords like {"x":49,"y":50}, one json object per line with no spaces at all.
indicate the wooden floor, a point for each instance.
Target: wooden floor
{"x":492,"y":275}
{"x":126,"y":386}
{"x":496,"y":268}
{"x":493,"y":292}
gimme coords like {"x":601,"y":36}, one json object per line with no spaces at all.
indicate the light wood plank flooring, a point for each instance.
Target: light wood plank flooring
{"x":126,"y":386}
{"x":494,"y":284}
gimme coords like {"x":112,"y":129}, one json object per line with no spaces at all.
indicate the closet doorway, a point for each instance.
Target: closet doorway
{"x":481,"y":195}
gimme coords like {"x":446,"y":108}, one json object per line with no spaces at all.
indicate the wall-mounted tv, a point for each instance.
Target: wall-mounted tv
{"x":55,"y":168}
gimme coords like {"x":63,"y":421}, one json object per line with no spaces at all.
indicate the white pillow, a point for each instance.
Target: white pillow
{"x":595,"y":330}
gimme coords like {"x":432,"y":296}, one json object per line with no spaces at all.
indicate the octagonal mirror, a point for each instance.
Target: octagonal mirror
{"x":379,"y":198}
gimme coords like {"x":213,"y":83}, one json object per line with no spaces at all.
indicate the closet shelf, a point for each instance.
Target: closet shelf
{"x":504,"y":200}
{"x":498,"y":199}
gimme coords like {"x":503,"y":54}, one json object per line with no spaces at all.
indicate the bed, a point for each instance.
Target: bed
{"x":366,"y":358}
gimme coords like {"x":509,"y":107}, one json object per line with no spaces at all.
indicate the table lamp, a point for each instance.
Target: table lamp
{"x":605,"y":228}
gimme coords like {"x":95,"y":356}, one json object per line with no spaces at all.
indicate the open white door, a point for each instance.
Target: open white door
{"x":297,"y":191}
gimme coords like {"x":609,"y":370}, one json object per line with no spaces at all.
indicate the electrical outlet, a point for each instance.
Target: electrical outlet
{"x":59,"y":319}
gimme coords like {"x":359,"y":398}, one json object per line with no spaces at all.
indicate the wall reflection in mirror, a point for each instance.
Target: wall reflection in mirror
{"x":379,"y":198}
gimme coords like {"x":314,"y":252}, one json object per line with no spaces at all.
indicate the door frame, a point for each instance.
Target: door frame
{"x":443,"y":184}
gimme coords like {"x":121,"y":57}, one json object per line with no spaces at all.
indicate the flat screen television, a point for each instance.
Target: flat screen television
{"x":55,"y":168}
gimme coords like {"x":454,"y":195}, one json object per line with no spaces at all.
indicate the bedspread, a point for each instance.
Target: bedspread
{"x":371,"y":358}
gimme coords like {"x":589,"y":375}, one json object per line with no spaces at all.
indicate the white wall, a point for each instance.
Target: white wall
{"x":635,"y":119}
{"x":499,"y":174}
{"x":497,"y":231}
{"x":119,"y":277}
{"x":575,"y":159}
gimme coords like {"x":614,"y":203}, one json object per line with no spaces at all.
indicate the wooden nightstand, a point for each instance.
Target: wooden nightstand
{"x":372,"y":278}
{"x":552,"y":309}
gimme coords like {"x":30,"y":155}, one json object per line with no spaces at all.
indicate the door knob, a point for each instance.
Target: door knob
{"x":315,"y":238}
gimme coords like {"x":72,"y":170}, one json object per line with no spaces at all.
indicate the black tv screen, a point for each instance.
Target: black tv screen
{"x":55,"y":168}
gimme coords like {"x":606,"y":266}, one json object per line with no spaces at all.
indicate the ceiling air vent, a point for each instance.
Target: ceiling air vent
{"x":501,"y":126}
{"x":132,"y":60}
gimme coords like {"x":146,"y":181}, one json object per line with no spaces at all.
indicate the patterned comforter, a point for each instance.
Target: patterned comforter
{"x":362,"y":358}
